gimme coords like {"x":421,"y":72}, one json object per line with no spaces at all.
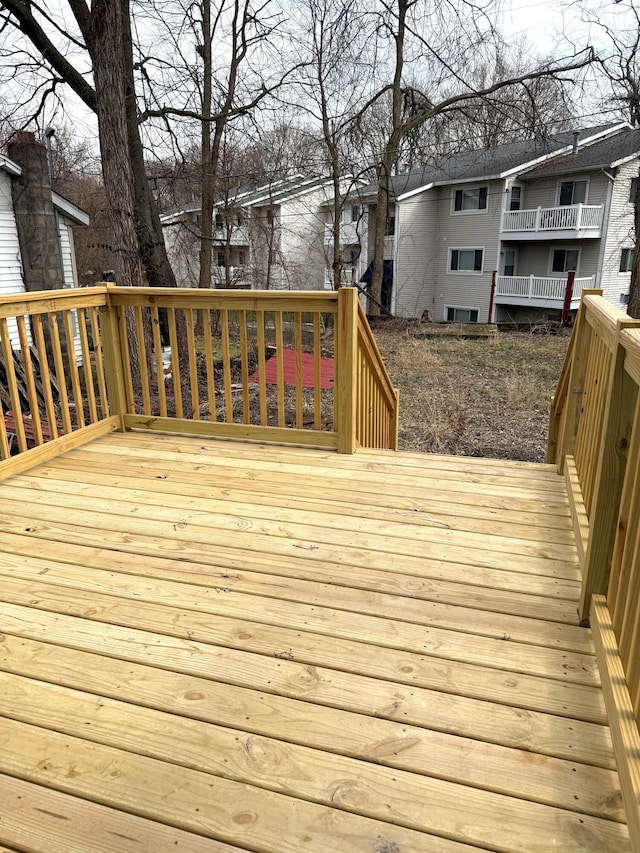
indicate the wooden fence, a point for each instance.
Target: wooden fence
{"x":594,"y":437}
{"x":242,"y":364}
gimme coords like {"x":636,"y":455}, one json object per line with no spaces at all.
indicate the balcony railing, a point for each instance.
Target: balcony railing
{"x":536,"y":287}
{"x":212,"y":380}
{"x":576,"y":217}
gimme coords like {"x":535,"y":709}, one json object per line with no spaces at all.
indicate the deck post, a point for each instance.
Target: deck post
{"x":612,"y":459}
{"x":569,"y":429}
{"x":346,"y":380}
{"x":113,"y":368}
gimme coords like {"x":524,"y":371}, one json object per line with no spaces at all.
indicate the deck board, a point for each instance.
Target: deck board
{"x":224,"y":646}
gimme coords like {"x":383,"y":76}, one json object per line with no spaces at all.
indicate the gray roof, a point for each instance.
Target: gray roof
{"x":266,"y":195}
{"x":601,"y":155}
{"x":489,"y":162}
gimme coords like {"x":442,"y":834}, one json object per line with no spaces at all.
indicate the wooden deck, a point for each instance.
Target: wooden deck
{"x":216,"y":646}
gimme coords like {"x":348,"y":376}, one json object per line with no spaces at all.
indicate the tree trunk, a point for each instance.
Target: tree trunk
{"x":139,"y":251}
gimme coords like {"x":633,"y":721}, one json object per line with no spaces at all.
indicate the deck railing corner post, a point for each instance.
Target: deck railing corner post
{"x":346,"y":379}
{"x":113,"y":367}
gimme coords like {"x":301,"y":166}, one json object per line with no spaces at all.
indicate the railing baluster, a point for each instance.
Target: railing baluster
{"x":298,"y":351}
{"x":280,"y":367}
{"x":73,"y":368}
{"x":244,"y":360}
{"x":126,"y":358}
{"x":317,"y":390}
{"x":176,"y":379}
{"x":12,"y":383}
{"x":32,"y":395}
{"x":142,"y":360}
{"x":193,"y":364}
{"x":5,"y":450}
{"x":262,"y":379}
{"x":210,"y":367}
{"x":98,"y":354}
{"x":45,"y":375}
{"x":226,"y":365}
{"x":86,"y":366}
{"x":60,"y":373}
{"x":158,"y":361}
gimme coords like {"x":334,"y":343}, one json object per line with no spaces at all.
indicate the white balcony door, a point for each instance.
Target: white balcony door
{"x":508,"y":262}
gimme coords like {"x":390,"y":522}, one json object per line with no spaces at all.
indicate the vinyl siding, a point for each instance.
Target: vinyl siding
{"x":543,"y":192}
{"x":619,"y":236}
{"x":474,"y":231}
{"x":415,"y":261}
{"x":10,"y":260}
{"x":535,"y":258}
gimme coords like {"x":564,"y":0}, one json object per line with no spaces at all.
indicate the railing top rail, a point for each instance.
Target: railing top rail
{"x":44,"y":302}
{"x":604,"y":318}
{"x":630,"y":340}
{"x":239,"y":300}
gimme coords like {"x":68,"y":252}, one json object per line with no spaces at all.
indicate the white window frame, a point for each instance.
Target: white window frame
{"x":508,"y":194}
{"x":564,"y":249}
{"x":464,"y":272}
{"x":473,"y":211}
{"x":503,"y":255}
{"x":574,"y":180}
{"x":460,"y":308}
{"x":632,"y":195}
{"x":628,"y":249}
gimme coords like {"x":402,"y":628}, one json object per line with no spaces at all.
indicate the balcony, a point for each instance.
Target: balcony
{"x":538,"y":291}
{"x":577,"y":221}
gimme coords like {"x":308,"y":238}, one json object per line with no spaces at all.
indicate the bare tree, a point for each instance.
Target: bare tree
{"x":102,"y":34}
{"x":621,"y":74}
{"x":412,"y":105}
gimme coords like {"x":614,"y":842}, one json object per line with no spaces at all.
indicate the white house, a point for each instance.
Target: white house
{"x":67,"y":215}
{"x":34,"y":254}
{"x":272,"y":237}
{"x":518,"y":216}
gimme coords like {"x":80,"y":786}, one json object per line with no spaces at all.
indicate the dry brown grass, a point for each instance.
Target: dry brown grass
{"x":478,"y":397}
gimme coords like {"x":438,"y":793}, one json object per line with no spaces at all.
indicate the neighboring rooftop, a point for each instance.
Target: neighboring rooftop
{"x":607,"y":153}
{"x":498,"y":161}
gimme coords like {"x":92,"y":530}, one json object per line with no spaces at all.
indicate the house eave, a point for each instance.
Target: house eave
{"x":70,"y":210}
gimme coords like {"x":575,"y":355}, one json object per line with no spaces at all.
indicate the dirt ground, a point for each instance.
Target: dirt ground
{"x":478,"y":397}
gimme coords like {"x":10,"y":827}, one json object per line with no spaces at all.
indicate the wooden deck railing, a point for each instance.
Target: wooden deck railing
{"x":595,"y":439}
{"x":239,"y":364}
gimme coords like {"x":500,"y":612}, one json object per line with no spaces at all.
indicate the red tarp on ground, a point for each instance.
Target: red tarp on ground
{"x":289,"y":369}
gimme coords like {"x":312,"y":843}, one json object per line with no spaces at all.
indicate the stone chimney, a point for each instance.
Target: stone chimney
{"x":36,"y":218}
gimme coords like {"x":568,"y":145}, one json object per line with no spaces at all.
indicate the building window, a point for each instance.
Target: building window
{"x":466,"y":260}
{"x":633,"y":190}
{"x":390,"y":229}
{"x":271,"y":218}
{"x":355,"y":213}
{"x":564,"y":260}
{"x":221,"y":261}
{"x":461,"y":315}
{"x":515,"y":198}
{"x":626,"y":260}
{"x":572,"y":192}
{"x":468,"y":200}
{"x":240,"y":220}
{"x":219,"y":222}
{"x":509,"y":262}
{"x":241,"y":258}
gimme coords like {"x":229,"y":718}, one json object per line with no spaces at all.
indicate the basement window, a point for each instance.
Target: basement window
{"x":461,"y":315}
